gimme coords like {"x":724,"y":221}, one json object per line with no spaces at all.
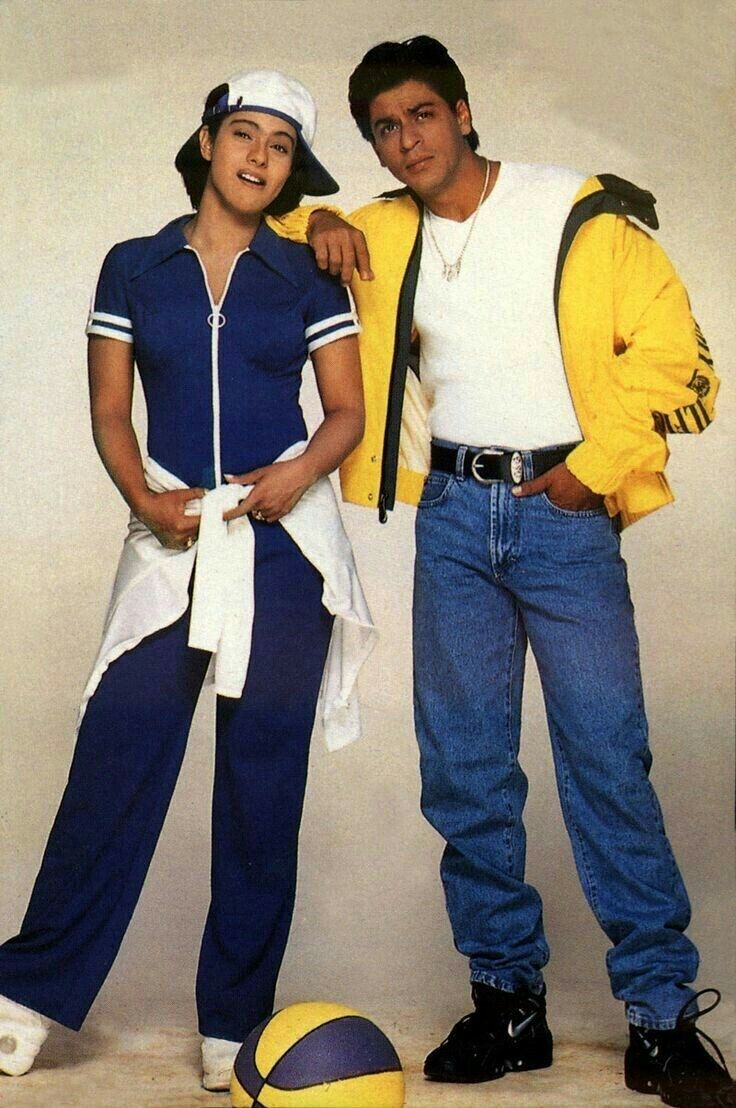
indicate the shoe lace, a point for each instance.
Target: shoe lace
{"x":690,"y":1045}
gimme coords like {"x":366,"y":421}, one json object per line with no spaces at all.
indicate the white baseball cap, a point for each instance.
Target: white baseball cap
{"x":267,"y":90}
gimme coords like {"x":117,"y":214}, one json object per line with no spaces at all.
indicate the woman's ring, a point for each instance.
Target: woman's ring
{"x":258,"y":514}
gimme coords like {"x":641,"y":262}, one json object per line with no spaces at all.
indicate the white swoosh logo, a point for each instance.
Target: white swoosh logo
{"x":514,"y":1032}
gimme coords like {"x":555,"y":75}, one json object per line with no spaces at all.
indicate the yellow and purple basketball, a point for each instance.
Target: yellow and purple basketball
{"x":317,"y":1055}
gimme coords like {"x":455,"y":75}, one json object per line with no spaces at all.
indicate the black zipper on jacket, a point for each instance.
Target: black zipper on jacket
{"x":397,"y":380}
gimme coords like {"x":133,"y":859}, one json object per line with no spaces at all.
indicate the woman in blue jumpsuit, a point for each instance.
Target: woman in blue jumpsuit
{"x":220,"y":314}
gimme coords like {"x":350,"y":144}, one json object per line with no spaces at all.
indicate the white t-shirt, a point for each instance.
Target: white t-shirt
{"x":490,"y":362}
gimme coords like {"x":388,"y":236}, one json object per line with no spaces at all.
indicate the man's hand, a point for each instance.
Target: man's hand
{"x":338,"y":247}
{"x":563,"y":489}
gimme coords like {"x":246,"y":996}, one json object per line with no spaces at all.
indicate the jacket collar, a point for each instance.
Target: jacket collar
{"x":630,"y":199}
{"x":161,"y":246}
{"x":395,"y":194}
{"x":277,"y":253}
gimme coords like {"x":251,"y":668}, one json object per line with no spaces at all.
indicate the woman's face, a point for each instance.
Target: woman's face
{"x":250,"y":159}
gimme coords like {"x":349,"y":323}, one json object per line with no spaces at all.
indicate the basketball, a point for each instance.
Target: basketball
{"x":317,"y":1055}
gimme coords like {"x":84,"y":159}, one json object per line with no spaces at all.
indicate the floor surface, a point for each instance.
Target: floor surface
{"x":105,"y":1068}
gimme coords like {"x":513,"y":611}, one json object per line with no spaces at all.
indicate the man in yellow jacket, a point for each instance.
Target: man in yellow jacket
{"x":526,"y":348}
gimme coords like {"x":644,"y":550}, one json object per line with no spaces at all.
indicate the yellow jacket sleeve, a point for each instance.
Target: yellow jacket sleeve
{"x":663,"y":351}
{"x":660,"y":373}
{"x":293,"y":225}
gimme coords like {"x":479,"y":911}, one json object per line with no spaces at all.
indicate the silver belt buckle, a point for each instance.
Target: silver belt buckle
{"x":477,"y":460}
{"x":517,"y":467}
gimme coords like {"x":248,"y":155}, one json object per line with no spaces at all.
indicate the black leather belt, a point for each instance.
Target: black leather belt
{"x":488,"y":465}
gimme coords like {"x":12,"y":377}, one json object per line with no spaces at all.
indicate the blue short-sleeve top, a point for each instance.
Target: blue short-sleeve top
{"x":221,"y":382}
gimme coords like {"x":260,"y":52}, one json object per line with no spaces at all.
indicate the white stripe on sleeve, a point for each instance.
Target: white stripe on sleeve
{"x":330,"y":322}
{"x":353,"y":329}
{"x":106,"y":317}
{"x":108,"y":332}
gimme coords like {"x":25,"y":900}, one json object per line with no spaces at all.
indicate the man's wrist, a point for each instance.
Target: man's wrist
{"x":314,"y":218}
{"x":592,"y":468}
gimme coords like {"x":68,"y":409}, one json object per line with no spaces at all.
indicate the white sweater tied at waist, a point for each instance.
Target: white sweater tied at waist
{"x":151,"y":591}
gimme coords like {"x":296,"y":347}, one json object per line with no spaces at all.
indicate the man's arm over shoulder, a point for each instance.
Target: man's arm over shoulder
{"x":295,"y":224}
{"x":338,"y":246}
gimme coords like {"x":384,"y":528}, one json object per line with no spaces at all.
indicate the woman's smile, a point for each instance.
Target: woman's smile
{"x":252,"y":179}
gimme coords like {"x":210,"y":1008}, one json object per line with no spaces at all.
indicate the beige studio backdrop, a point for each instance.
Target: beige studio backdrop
{"x":96,"y":99}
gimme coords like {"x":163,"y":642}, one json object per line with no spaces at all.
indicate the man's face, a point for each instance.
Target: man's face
{"x":418,"y":137}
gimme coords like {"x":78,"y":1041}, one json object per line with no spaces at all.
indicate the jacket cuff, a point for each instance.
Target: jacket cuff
{"x":590,"y":464}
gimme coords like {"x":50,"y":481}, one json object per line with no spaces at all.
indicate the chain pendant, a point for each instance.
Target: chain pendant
{"x":451,"y":271}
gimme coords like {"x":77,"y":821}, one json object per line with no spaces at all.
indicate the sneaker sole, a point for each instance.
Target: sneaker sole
{"x":216,"y":1084}
{"x":638,"y":1082}
{"x":520,"y":1064}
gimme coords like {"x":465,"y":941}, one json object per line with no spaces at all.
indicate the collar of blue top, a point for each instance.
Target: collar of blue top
{"x":271,"y":248}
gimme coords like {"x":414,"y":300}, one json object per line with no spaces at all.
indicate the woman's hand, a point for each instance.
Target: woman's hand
{"x":111,"y":395}
{"x":164,"y":514}
{"x":276,"y":489}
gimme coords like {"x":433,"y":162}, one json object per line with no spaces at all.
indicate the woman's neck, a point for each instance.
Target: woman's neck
{"x":217,"y":230}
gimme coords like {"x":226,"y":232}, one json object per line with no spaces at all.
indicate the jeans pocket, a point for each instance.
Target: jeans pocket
{"x":568,"y":513}
{"x":436,"y":489}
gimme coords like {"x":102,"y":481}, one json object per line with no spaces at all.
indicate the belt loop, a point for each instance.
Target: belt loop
{"x":460,"y":462}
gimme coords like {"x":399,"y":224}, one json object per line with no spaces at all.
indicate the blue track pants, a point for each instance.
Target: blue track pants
{"x":130,"y":747}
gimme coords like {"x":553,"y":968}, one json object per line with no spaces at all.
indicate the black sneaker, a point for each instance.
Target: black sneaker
{"x":506,"y":1033}
{"x":676,"y":1065}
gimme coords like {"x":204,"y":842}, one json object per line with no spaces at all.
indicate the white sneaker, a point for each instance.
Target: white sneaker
{"x":218,"y":1056}
{"x":22,"y":1034}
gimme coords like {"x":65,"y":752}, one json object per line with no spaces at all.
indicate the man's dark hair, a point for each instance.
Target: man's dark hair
{"x":195,"y":169}
{"x":391,"y":63}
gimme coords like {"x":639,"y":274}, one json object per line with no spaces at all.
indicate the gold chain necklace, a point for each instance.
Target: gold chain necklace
{"x":451,"y":270}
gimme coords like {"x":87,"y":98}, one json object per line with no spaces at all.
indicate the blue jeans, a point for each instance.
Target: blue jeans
{"x":493,"y":572}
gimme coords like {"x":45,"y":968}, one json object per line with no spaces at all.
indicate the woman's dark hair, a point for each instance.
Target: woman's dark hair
{"x":391,"y":63}
{"x":195,"y":169}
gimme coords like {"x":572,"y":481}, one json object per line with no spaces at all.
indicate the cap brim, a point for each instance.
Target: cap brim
{"x":316,"y":181}
{"x":190,"y":155}
{"x":315,"y":178}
